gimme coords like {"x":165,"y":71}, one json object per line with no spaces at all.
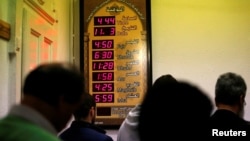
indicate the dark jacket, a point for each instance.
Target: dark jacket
{"x":83,"y":131}
{"x":226,"y":123}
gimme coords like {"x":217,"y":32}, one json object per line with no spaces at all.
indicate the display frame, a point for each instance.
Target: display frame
{"x":88,"y":9}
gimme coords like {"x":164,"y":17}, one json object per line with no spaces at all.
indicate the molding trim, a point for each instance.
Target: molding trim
{"x":40,"y":11}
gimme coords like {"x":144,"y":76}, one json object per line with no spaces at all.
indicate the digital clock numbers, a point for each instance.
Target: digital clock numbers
{"x":104,"y":20}
{"x":107,"y":54}
{"x":104,"y":98}
{"x":103,"y":65}
{"x":104,"y":31}
{"x":103,"y":76}
{"x":103,"y":79}
{"x":103,"y":87}
{"x":102,"y":44}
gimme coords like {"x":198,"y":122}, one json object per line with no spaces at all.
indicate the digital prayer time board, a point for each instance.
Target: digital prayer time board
{"x":115,"y":55}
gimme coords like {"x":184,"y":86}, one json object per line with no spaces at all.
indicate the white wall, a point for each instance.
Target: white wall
{"x":62,"y":14}
{"x":197,"y":40}
{"x":4,"y":61}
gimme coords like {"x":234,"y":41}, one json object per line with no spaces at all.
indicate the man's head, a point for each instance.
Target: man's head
{"x":178,"y":106}
{"x":160,"y":86}
{"x":55,"y":90}
{"x":86,"y":110}
{"x":230,"y":90}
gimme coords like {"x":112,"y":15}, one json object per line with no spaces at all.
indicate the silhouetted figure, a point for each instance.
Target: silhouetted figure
{"x":128,"y":130}
{"x":83,"y":128}
{"x":174,"y":110}
{"x":51,"y":93}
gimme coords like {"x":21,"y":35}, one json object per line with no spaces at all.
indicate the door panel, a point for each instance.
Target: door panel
{"x":38,"y":41}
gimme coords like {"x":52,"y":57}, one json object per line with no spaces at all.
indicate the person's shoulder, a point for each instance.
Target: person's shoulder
{"x":28,"y":131}
{"x":225,"y":123}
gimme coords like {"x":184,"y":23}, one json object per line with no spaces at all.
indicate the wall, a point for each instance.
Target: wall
{"x":4,"y":61}
{"x":62,"y":14}
{"x":197,"y":40}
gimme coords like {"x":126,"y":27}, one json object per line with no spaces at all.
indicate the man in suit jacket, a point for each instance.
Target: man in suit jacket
{"x":227,"y":120}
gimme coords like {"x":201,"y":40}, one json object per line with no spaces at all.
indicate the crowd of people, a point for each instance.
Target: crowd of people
{"x":171,"y":108}
{"x":183,"y":110}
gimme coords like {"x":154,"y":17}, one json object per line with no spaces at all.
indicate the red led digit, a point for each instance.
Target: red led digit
{"x":107,"y":55}
{"x":112,"y":31}
{"x":96,"y":55}
{"x":106,"y":20}
{"x":110,"y":87}
{"x":104,"y":44}
{"x":112,"y":20}
{"x":96,"y":44}
{"x":110,"y":98}
{"x":104,"y":97}
{"x":110,"y":44}
{"x":97,"y":98}
{"x":110,"y":76}
{"x":100,"y":77}
{"x":105,"y":87}
{"x":97,"y":87}
{"x":99,"y":20}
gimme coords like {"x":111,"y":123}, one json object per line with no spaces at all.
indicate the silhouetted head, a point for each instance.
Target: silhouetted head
{"x":56,"y":86}
{"x":174,"y":109}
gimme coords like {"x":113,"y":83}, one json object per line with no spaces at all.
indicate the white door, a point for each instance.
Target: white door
{"x":39,"y":45}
